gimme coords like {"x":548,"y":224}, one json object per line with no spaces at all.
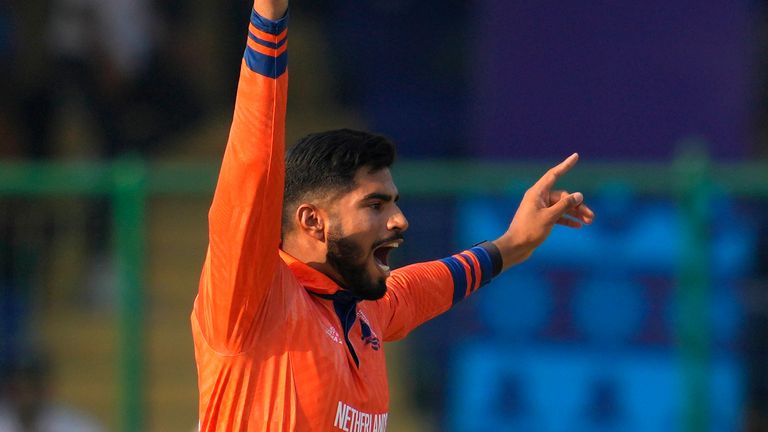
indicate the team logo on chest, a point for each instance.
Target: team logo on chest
{"x":369,"y":336}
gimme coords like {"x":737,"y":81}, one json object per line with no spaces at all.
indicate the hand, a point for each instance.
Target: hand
{"x":540,"y":209}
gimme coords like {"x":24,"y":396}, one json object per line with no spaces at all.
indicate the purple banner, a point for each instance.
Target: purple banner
{"x":611,"y":79}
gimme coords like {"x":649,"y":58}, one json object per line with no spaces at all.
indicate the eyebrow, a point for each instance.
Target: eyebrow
{"x":380,"y":196}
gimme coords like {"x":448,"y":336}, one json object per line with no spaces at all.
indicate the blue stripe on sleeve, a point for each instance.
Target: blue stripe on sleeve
{"x":471,"y":271}
{"x":486,"y":266}
{"x":267,"y":25}
{"x":264,"y":64}
{"x":459,"y":278}
{"x":267,"y":44}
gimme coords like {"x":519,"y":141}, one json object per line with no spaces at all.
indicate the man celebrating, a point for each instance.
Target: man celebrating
{"x":296,"y":295}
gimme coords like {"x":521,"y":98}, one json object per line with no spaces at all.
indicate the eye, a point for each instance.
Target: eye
{"x":375,"y":205}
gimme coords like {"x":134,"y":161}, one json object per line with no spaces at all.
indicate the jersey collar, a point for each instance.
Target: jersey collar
{"x":344,"y":303}
{"x":311,"y":279}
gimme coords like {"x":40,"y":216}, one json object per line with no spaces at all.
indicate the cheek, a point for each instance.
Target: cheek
{"x":363,"y":223}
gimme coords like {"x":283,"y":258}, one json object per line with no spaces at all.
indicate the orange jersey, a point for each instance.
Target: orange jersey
{"x":280,"y":346}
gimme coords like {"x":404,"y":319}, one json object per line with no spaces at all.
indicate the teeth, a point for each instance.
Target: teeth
{"x":393,"y":244}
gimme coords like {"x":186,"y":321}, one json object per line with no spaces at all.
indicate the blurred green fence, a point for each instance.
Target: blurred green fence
{"x":690,"y":179}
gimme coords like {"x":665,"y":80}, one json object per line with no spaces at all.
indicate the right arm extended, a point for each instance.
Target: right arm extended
{"x":421,"y":291}
{"x":244,"y":218}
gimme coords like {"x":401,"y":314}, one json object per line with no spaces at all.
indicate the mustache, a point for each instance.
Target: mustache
{"x":396,"y":236}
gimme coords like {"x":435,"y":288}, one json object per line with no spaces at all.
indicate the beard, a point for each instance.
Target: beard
{"x":349,"y":260}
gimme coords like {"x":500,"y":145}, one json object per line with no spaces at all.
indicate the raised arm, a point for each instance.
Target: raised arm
{"x":244,"y":218}
{"x":419,"y":292}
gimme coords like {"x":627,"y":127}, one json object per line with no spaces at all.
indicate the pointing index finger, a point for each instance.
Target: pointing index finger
{"x":547,"y":181}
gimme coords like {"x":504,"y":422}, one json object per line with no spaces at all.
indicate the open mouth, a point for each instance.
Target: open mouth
{"x":381,"y":255}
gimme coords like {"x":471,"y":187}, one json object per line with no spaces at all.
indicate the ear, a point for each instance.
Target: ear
{"x":311,"y":220}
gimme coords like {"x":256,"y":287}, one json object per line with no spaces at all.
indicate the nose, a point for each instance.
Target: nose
{"x":397,"y":221}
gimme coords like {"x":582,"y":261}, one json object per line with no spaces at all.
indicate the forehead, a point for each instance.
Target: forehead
{"x":367,"y":182}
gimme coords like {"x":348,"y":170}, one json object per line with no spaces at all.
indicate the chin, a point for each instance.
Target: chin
{"x":374,"y":290}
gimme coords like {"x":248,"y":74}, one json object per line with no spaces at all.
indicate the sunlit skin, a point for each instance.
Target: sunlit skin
{"x":539,"y":211}
{"x":271,"y":9}
{"x":368,"y":216}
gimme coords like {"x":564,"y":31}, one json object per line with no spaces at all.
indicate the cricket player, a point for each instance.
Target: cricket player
{"x":296,"y":296}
